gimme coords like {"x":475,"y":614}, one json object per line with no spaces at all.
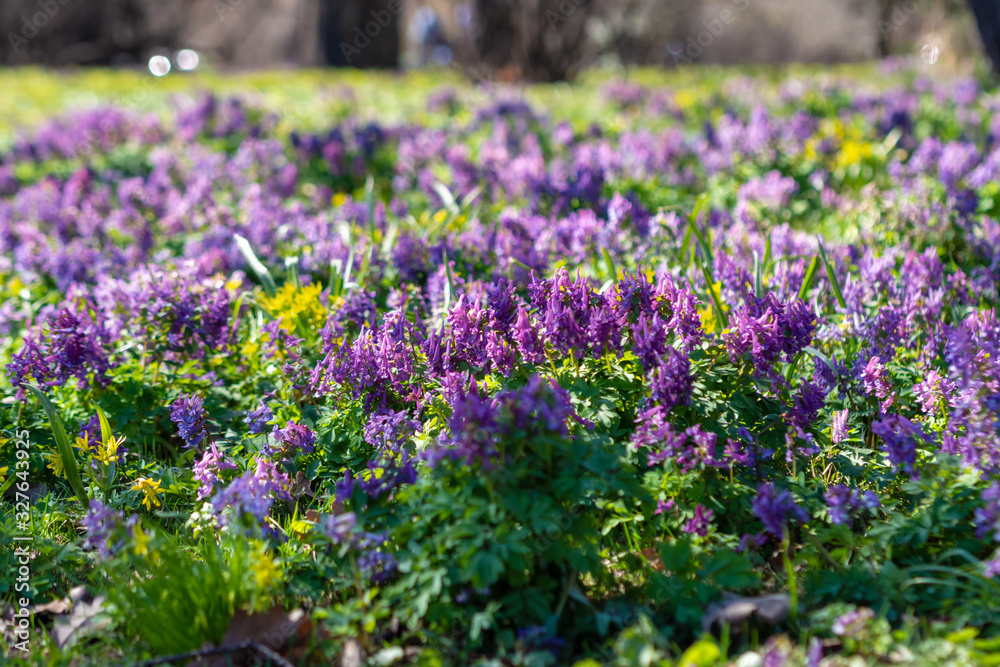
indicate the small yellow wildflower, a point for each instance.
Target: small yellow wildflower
{"x":853,"y":152}
{"x":56,"y":464}
{"x":83,"y":443}
{"x":107,"y":453}
{"x":141,"y":547}
{"x":265,"y":570}
{"x":151,"y":489}
{"x":292,"y":302}
{"x":707,"y":312}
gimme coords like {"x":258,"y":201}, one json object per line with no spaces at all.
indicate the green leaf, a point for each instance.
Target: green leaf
{"x":675,"y":556}
{"x":63,"y":445}
{"x":729,"y":570}
{"x":703,"y":653}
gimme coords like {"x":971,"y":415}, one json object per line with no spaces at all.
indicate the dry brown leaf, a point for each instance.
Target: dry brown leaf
{"x":771,"y":609}
{"x":85,"y":617}
{"x":54,"y":607}
{"x":353,"y":655}
{"x":301,"y":486}
{"x":284,"y":632}
{"x":652,"y":557}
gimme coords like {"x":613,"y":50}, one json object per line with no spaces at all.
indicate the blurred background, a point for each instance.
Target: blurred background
{"x":542,"y":40}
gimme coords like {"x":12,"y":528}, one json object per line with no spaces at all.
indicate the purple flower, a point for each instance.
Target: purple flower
{"x":390,"y":432}
{"x":526,"y":337}
{"x":767,"y":330}
{"x":339,"y":527}
{"x":991,"y":568}
{"x":774,"y":506}
{"x":670,"y":381}
{"x":540,"y":404}
{"x":853,"y":622}
{"x":28,"y":363}
{"x":664,"y":506}
{"x":391,"y":475}
{"x":838,"y":429}
{"x":473,"y":426}
{"x":699,"y":523}
{"x":91,"y":429}
{"x":736,"y":453}
{"x":76,"y":350}
{"x":687,"y":449}
{"x":251,"y":495}
{"x":900,"y":436}
{"x":189,"y":414}
{"x":207,"y":468}
{"x":372,"y":558}
{"x":987,"y":517}
{"x":258,"y":419}
{"x":844,"y":503}
{"x":294,"y":439}
{"x":100,"y":522}
{"x":751,"y":541}
{"x":874,"y":381}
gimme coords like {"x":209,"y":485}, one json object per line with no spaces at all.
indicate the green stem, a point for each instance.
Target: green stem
{"x":793,"y":589}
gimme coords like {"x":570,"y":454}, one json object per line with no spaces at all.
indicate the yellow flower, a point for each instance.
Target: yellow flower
{"x":3,"y":473}
{"x":151,"y":489}
{"x":685,"y":99}
{"x":107,"y":453}
{"x":291,"y":303}
{"x":83,"y":443}
{"x":265,"y":570}
{"x":141,"y":547}
{"x":707,"y":312}
{"x":56,"y":464}
{"x":853,"y":152}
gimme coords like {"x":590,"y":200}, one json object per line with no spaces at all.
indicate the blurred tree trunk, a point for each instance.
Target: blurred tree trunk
{"x":542,"y":40}
{"x":987,"y":14}
{"x":361,"y":33}
{"x":884,"y":23}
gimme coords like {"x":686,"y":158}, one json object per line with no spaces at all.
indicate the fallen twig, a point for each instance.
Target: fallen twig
{"x":264,"y":651}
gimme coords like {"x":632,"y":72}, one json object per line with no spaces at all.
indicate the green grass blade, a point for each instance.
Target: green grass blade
{"x":263,"y":275}
{"x":612,"y":269}
{"x":63,"y":445}
{"x":758,"y":280}
{"x":832,"y":276}
{"x":12,"y":476}
{"x":447,"y":285}
{"x":370,"y":200}
{"x":693,"y":224}
{"x":807,"y":281}
{"x":721,"y":320}
{"x":105,"y":425}
{"x":685,"y":244}
{"x":445,"y":194}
